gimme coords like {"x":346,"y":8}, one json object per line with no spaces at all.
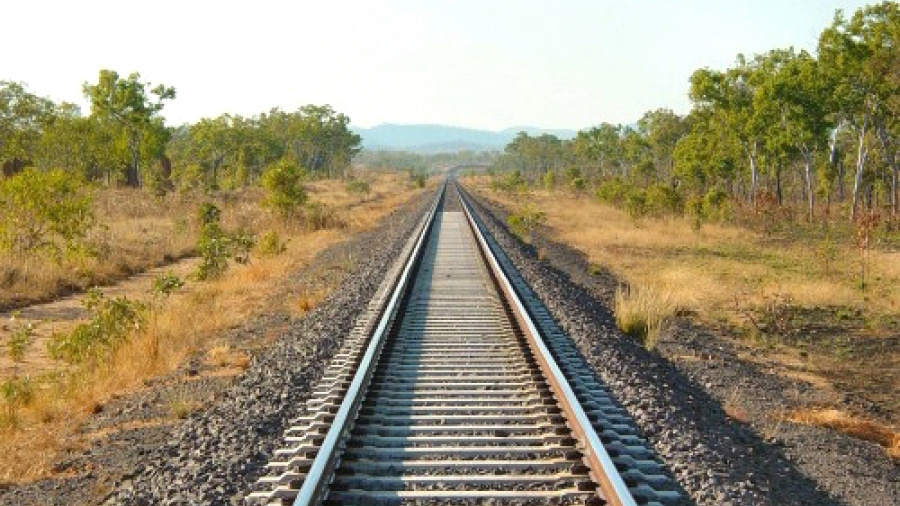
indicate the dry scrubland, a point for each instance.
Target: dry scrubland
{"x":187,"y":321}
{"x":795,"y":299}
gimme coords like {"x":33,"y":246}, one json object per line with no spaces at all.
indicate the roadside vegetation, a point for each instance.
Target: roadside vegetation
{"x":770,"y":211}
{"x":87,"y":200}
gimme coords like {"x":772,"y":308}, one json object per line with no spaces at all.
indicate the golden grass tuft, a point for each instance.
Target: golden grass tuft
{"x":847,"y":423}
{"x":643,"y":313}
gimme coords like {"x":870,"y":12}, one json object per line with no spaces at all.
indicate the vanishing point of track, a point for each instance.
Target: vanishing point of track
{"x":457,"y":388}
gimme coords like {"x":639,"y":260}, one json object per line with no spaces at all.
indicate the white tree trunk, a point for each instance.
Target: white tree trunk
{"x":860,"y":166}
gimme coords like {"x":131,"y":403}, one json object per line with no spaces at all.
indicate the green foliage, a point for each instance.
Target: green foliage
{"x":217,"y":246}
{"x":359,"y":187}
{"x":16,"y":393}
{"x":111,"y":322}
{"x":613,"y":191}
{"x":167,"y":283}
{"x":48,"y":211}
{"x":285,"y":191}
{"x":664,"y":200}
{"x":636,"y":203}
{"x":511,"y":182}
{"x":20,"y":340}
{"x":270,"y":244}
{"x":549,"y":180}
{"x":523,"y":223}
{"x":419,"y":179}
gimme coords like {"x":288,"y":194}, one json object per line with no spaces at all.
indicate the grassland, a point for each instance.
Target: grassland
{"x":187,"y":322}
{"x":794,"y":297}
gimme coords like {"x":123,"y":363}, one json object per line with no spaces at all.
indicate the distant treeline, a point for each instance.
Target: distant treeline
{"x":782,"y":129}
{"x":124,"y":139}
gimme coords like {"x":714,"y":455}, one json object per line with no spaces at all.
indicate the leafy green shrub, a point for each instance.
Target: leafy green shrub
{"x":21,"y":338}
{"x":270,"y":244}
{"x":283,"y":182}
{"x":166,"y":283}
{"x":717,"y":205}
{"x":418,"y":179}
{"x":16,"y":393}
{"x":217,"y":246}
{"x":613,"y":191}
{"x":549,"y":180}
{"x":523,"y":223}
{"x":49,"y":211}
{"x":111,"y":321}
{"x":636,"y":203}
{"x":664,"y":200}
{"x":693,"y":207}
{"x":511,"y":182}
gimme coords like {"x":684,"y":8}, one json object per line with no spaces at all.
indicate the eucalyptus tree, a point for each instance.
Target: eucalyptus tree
{"x":23,"y":116}
{"x":861,"y":59}
{"x":131,"y":112}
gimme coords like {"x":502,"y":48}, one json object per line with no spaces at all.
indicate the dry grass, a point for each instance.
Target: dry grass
{"x":707,"y":271}
{"x":847,"y":423}
{"x":185,"y":323}
{"x":643,"y":314}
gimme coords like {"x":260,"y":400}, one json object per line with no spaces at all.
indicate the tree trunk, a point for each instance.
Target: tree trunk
{"x":779,"y":194}
{"x":754,"y":174}
{"x":891,"y":161}
{"x":860,"y":165}
{"x":810,"y":198}
{"x":837,"y":161}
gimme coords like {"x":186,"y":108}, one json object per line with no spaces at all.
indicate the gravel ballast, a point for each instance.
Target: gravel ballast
{"x":717,"y":460}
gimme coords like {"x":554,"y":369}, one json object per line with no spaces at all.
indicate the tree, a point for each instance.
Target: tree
{"x":284,"y":186}
{"x":124,"y":105}
{"x":22,"y":119}
{"x":861,"y":59}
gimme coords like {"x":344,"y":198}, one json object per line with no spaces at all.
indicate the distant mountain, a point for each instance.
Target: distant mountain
{"x":443,"y":138}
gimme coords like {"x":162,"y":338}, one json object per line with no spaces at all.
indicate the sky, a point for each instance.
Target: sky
{"x":488,"y":64}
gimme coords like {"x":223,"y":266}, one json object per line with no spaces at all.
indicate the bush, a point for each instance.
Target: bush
{"x":613,"y":191}
{"x":319,"y":217}
{"x":636,"y":203}
{"x":522,"y":224}
{"x":549,"y":180}
{"x":664,"y":200}
{"x":218,"y":246}
{"x":511,"y":182}
{"x":271,"y":244}
{"x":283,"y":182}
{"x":44,"y":211}
{"x":166,"y":283}
{"x":359,"y":187}
{"x":418,"y":179}
{"x":112,"y":320}
{"x":16,"y":392}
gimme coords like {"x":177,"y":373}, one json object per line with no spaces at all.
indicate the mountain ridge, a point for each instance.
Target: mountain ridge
{"x":437,"y":138}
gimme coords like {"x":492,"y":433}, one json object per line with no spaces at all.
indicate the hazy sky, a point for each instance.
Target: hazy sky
{"x":483,"y":63}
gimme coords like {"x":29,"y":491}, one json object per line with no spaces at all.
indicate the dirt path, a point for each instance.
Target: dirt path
{"x":62,"y":315}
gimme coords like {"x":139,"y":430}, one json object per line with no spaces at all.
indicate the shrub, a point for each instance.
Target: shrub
{"x":218,"y":246}
{"x":111,"y":321}
{"x":16,"y":392}
{"x":166,"y":283}
{"x":636,"y":203}
{"x":418,"y":179}
{"x":49,"y":211}
{"x":20,"y":340}
{"x":319,"y":217}
{"x":549,"y":180}
{"x":283,"y":182}
{"x":522,"y":224}
{"x":511,"y":182}
{"x":271,"y":244}
{"x":664,"y":200}
{"x":716,"y":205}
{"x":359,"y":187}
{"x":612,"y":191}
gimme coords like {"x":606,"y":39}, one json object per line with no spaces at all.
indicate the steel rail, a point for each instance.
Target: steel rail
{"x":603,"y":470}
{"x":321,"y":471}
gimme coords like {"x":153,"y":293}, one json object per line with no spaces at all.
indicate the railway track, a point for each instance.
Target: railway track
{"x":456,"y":387}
